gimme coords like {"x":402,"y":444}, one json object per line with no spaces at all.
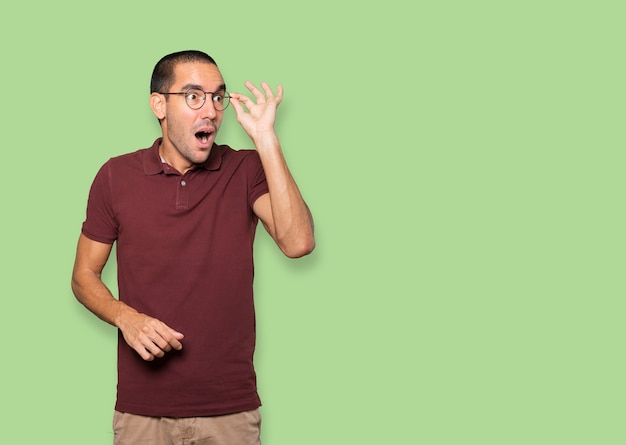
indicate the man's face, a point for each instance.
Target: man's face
{"x":189,"y":134}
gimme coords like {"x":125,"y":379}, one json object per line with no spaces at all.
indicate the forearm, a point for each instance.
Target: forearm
{"x":284,"y":213}
{"x":148,"y":336}
{"x":92,"y":293}
{"x":292,"y":221}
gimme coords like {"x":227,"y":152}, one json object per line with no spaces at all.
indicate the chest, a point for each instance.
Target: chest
{"x":188,"y":208}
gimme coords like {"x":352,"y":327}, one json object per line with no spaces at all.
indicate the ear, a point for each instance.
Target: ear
{"x":158,"y":105}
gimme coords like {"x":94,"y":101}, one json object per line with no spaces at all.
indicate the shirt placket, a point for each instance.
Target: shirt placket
{"x":182,"y":193}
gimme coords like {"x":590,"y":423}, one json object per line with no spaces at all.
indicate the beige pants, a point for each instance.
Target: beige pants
{"x":232,"y":429}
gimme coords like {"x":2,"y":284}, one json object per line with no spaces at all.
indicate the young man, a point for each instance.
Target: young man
{"x":183,"y":214}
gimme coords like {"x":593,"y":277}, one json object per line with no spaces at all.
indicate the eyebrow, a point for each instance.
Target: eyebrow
{"x":222,"y":87}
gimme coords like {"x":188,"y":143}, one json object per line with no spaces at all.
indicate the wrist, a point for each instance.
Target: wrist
{"x":121,"y":312}
{"x":265,"y":139}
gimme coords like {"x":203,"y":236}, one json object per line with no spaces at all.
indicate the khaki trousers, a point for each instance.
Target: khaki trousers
{"x":232,"y":429}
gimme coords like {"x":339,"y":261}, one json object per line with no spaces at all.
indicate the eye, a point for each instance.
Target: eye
{"x":195,"y":98}
{"x":192,"y":96}
{"x":218,"y":97}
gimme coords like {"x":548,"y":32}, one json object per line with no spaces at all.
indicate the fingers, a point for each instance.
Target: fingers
{"x":236,"y":98}
{"x":261,"y":97}
{"x":255,"y":91}
{"x":161,"y":340}
{"x":259,"y":115}
{"x":151,"y":338}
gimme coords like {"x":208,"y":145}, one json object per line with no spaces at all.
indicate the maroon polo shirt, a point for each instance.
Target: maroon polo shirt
{"x":184,"y":255}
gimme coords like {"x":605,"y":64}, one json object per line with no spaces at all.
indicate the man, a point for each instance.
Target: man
{"x":183,"y":214}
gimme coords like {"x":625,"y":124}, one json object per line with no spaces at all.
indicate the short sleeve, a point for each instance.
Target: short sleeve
{"x":100,"y":223}
{"x":257,"y":180}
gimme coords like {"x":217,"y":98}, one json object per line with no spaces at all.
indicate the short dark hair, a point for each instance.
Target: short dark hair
{"x":163,"y":73}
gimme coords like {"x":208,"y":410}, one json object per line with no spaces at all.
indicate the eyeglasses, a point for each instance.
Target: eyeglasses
{"x":195,"y":98}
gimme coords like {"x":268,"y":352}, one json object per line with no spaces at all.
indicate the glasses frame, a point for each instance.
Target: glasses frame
{"x":204,"y":95}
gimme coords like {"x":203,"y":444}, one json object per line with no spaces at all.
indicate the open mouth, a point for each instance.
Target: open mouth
{"x":203,"y":136}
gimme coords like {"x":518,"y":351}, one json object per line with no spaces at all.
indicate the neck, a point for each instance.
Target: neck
{"x":174,"y":160}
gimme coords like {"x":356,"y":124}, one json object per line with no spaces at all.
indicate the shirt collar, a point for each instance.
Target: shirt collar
{"x":152,"y":164}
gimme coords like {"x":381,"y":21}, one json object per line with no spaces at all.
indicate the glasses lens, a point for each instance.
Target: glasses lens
{"x":195,"y":98}
{"x":221,"y":100}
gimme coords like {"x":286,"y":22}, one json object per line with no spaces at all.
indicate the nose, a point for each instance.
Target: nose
{"x":208,"y":109}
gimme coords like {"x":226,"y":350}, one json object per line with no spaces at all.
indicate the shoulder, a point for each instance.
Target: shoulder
{"x":227,"y":151}
{"x":141,"y":156}
{"x":129,"y":158}
{"x":145,"y":161}
{"x":224,"y":156}
{"x":129,"y":166}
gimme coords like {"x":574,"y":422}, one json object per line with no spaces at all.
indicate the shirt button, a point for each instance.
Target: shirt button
{"x":183,"y":183}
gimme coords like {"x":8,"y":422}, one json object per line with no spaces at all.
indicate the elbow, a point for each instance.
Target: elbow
{"x":78,"y":284}
{"x":74,"y":282}
{"x":297,"y":242}
{"x":302,"y":247}
{"x":75,"y":286}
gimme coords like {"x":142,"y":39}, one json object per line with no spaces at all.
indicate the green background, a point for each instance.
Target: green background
{"x":464,"y":164}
